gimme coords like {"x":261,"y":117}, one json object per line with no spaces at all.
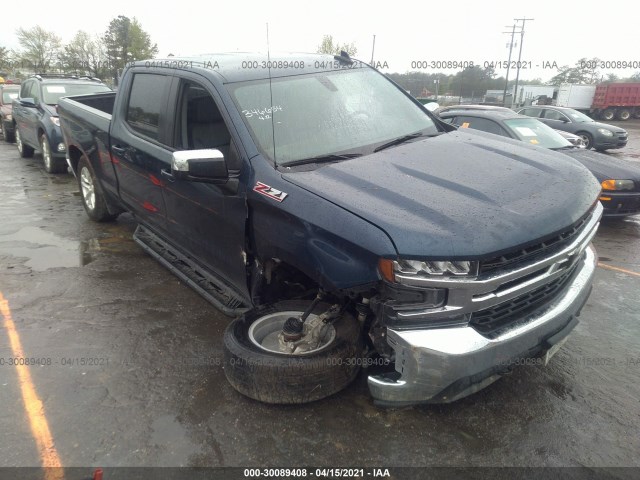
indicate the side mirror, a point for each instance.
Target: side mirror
{"x":206,"y":166}
{"x":27,"y":102}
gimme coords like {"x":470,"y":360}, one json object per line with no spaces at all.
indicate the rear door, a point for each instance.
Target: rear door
{"x":206,"y":220}
{"x":140,"y":144}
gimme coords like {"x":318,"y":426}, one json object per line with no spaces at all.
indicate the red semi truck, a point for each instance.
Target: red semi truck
{"x":616,"y":100}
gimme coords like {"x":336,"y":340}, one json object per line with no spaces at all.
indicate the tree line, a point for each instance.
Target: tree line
{"x":101,"y":56}
{"x":475,"y":81}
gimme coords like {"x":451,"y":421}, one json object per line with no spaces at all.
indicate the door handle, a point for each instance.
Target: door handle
{"x":168,"y":175}
{"x":119,"y":150}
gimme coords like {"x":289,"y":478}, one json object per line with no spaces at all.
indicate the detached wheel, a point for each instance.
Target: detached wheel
{"x":91,"y":194}
{"x":587,"y":138}
{"x":25,"y":151}
{"x":51,"y":164}
{"x":257,"y":367}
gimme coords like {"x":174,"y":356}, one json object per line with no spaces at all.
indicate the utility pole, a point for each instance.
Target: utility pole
{"x":373,"y":49}
{"x":506,"y":82}
{"x":523,"y":20}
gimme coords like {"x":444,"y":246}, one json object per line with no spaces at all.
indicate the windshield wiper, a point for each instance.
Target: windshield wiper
{"x":322,"y":159}
{"x":566,"y":147}
{"x":403,"y":139}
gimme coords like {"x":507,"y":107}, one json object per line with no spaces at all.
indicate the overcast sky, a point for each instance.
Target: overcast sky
{"x":463,"y":30}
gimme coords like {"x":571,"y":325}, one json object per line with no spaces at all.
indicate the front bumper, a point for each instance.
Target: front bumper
{"x":621,"y":204}
{"x":445,"y":364}
{"x":601,"y":142}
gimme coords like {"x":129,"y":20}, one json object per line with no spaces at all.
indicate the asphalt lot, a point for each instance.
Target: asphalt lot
{"x":131,"y":369}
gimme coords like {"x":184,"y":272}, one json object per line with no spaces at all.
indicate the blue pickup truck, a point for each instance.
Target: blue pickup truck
{"x":339,"y":223}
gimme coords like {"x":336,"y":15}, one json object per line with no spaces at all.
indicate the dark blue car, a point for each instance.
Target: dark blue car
{"x":35,"y":115}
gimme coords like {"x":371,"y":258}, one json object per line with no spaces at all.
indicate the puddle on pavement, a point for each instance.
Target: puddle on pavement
{"x":44,"y":249}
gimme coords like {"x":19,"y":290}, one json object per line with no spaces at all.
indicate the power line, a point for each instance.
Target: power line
{"x":506,"y":82}
{"x":524,"y":21}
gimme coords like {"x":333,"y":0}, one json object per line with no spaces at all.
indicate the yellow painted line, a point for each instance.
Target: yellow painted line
{"x":32,"y":403}
{"x":618,"y":269}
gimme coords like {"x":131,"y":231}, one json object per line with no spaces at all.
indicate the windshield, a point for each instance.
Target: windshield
{"x":9,"y":95}
{"x":320,"y":114}
{"x":52,"y":93}
{"x":537,"y":133}
{"x":577,"y":116}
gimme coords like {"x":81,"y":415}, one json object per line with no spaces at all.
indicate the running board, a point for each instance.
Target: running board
{"x":186,"y":269}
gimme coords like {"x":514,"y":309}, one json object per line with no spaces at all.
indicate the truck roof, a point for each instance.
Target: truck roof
{"x":243,"y":66}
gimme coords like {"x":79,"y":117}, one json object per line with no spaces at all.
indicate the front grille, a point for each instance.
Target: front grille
{"x":491,"y":321}
{"x":545,"y":248}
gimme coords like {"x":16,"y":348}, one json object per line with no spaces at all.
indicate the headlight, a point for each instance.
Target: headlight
{"x":56,"y":121}
{"x":618,"y":185}
{"x":605,"y":132}
{"x":393,"y":270}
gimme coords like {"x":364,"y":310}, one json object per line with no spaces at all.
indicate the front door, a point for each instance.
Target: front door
{"x":207,"y":220}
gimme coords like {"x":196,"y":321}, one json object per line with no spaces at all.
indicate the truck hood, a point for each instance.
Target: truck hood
{"x":458,"y":195}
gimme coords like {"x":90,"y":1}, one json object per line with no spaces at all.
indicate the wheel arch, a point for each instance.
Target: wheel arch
{"x":75,"y":154}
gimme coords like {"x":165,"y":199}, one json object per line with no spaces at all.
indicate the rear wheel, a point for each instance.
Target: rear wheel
{"x":51,"y":164}
{"x":25,"y":151}
{"x":257,"y":366}
{"x":9,"y":136}
{"x":608,"y":114}
{"x":624,"y":114}
{"x":91,"y":194}
{"x":587,"y":138}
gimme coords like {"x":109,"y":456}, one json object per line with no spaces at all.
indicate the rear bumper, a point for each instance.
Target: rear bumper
{"x":446,"y":364}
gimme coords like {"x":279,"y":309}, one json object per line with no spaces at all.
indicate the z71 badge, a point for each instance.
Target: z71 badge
{"x":267,"y":191}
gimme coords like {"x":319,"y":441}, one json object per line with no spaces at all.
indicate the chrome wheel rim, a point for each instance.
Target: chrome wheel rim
{"x":586,"y":140}
{"x":263,"y":333}
{"x":88,"y":190}
{"x":46,"y":154}
{"x":18,"y":140}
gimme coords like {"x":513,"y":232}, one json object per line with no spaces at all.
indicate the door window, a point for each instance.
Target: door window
{"x":147,"y":99}
{"x":25,"y":91}
{"x":554,"y":115}
{"x":483,"y":124}
{"x":201,"y":125}
{"x":530,"y":112}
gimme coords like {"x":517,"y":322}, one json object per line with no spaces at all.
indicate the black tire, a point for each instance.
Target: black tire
{"x":96,"y":208}
{"x":623,"y":114}
{"x":587,"y":138}
{"x":51,"y":163}
{"x":291,"y":379}
{"x":24,"y":150}
{"x":608,"y":114}
{"x":9,"y":137}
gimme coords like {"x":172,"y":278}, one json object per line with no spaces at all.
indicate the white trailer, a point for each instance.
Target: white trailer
{"x":579,"y":97}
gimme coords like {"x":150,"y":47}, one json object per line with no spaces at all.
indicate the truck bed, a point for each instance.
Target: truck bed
{"x":617,"y":95}
{"x":89,"y":110}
